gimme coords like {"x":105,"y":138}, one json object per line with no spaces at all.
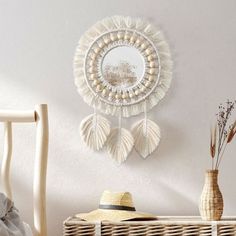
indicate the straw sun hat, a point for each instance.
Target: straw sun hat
{"x":115,"y":207}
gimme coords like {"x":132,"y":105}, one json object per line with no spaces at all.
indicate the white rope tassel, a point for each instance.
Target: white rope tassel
{"x":145,"y":119}
{"x":94,"y":118}
{"x":120,"y":125}
{"x":120,"y":118}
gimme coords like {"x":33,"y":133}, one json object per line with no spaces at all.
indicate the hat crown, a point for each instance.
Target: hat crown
{"x":117,"y":199}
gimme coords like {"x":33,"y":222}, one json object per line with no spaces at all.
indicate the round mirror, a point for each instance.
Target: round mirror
{"x":122,"y":62}
{"x":123,"y":67}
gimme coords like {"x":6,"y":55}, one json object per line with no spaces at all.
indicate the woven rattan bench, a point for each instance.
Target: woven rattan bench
{"x":171,"y":226}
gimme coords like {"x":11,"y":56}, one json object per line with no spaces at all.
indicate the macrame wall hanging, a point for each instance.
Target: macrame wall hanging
{"x":122,"y":68}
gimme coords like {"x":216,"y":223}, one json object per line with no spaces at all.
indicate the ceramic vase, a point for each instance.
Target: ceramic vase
{"x":211,"y":201}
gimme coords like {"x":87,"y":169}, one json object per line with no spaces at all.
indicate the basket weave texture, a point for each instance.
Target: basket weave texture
{"x":178,"y":226}
{"x":211,"y":202}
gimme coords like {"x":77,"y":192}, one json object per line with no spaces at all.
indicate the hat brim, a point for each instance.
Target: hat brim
{"x":115,"y":215}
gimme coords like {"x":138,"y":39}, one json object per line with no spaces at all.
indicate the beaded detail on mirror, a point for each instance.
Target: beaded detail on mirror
{"x":129,"y":81}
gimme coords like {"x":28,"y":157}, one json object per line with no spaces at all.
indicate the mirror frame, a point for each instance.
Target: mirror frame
{"x":110,"y":33}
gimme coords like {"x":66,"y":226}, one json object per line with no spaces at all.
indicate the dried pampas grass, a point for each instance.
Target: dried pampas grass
{"x":213,"y":141}
{"x":232,"y":132}
{"x":222,"y":134}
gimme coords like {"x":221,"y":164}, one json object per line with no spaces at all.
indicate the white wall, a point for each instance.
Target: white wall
{"x":37,"y":43}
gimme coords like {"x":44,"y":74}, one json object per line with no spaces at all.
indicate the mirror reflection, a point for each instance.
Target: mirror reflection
{"x":123,"y":66}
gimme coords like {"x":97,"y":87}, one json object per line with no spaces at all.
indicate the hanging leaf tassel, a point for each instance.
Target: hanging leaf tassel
{"x":119,"y":144}
{"x":147,"y":136}
{"x":94,"y":131}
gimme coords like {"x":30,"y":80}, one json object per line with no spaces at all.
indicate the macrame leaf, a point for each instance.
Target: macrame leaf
{"x":147,"y":136}
{"x":119,"y":144}
{"x":94,"y":130}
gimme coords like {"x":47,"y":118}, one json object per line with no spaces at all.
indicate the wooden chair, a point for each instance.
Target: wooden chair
{"x":40,"y":117}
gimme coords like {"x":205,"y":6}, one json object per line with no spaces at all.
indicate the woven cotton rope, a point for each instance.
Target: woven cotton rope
{"x":110,"y":33}
{"x":134,"y":81}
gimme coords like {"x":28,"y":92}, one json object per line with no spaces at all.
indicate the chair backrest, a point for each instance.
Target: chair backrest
{"x":40,"y":117}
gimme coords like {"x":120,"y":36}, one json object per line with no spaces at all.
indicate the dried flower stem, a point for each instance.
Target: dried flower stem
{"x":225,"y":134}
{"x":217,"y":167}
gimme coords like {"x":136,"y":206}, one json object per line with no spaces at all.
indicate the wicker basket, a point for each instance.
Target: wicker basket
{"x":170,"y":226}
